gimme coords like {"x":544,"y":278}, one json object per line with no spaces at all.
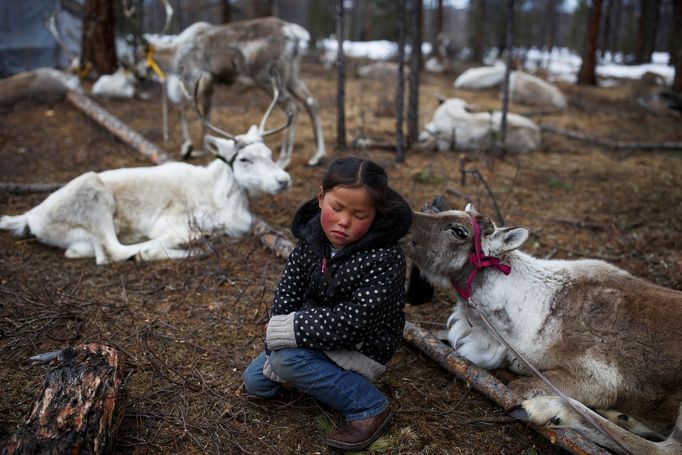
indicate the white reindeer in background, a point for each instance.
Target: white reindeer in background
{"x":602,"y":336}
{"x":248,"y":51}
{"x":455,"y":127}
{"x":151,"y":212}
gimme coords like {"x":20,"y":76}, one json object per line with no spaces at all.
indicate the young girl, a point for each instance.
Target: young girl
{"x":337,"y":316}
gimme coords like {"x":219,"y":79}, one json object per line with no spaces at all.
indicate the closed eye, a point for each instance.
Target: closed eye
{"x":245,"y":160}
{"x":459,"y":231}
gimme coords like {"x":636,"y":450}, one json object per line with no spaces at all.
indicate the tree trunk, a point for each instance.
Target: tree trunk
{"x":80,"y":407}
{"x":505,"y":85}
{"x":606,"y":31}
{"x":415,"y":68}
{"x":676,"y":51}
{"x":400,"y":90}
{"x":551,"y":25}
{"x":440,"y":17}
{"x":97,"y":39}
{"x":478,"y":11}
{"x":646,"y":32}
{"x":340,"y":80}
{"x":226,"y":11}
{"x":587,"y":74}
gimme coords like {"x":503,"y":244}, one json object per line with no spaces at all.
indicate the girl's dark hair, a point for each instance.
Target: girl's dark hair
{"x":354,"y":172}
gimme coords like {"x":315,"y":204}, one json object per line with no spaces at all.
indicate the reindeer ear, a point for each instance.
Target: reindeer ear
{"x":507,"y":239}
{"x":224,"y":148}
{"x":470,"y":209}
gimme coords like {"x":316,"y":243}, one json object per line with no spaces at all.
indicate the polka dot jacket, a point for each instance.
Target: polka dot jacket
{"x":352,"y":301}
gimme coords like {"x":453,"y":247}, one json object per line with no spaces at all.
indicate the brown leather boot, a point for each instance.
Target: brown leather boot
{"x":359,"y":434}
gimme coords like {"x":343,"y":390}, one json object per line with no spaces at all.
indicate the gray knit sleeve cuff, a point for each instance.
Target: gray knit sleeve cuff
{"x":358,"y":362}
{"x":280,"y":332}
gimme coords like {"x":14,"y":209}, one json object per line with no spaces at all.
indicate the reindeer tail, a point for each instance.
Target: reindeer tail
{"x":17,"y":224}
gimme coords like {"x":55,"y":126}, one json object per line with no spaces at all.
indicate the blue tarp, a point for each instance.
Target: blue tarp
{"x":25,"y":41}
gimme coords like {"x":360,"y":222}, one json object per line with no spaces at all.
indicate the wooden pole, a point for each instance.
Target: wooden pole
{"x":489,"y":386}
{"x":117,"y":127}
{"x":80,"y":407}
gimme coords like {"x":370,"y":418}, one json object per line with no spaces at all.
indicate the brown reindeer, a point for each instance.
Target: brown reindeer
{"x":602,"y":336}
{"x":251,"y":51}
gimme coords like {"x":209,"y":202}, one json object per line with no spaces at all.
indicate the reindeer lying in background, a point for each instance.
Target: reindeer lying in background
{"x":602,"y":336}
{"x":150,"y":213}
{"x":250,"y":51}
{"x":455,"y":127}
{"x":44,"y":85}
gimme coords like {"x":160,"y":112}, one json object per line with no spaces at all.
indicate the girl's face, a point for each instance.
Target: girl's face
{"x":346,"y":214}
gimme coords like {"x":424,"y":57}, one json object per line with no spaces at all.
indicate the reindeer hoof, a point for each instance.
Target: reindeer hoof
{"x":313,"y":162}
{"x":518,"y":413}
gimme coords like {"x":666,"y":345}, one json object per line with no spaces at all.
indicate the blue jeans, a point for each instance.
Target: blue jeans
{"x":314,"y":374}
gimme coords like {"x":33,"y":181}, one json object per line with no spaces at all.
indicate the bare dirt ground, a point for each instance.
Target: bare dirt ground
{"x":189,"y":328}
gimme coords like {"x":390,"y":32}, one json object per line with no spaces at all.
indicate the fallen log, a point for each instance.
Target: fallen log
{"x":21,"y":188}
{"x":116,"y":127}
{"x":489,"y":386}
{"x":80,"y":406}
{"x":617,"y":145}
{"x":272,"y":239}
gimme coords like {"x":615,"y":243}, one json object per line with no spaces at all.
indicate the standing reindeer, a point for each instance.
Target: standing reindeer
{"x":251,"y":51}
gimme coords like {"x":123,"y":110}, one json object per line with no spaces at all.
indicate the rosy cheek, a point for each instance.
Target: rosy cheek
{"x":359,"y":229}
{"x":326,"y":221}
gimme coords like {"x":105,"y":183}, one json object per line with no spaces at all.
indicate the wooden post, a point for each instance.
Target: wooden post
{"x":80,"y":407}
{"x":489,"y":386}
{"x":117,"y":127}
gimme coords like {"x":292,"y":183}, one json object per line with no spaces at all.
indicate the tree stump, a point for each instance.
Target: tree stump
{"x":80,"y":407}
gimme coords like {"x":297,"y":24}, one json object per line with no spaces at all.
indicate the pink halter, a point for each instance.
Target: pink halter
{"x":479,"y":262}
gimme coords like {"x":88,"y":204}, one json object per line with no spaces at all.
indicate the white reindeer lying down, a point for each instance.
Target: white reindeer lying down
{"x":455,"y":126}
{"x":600,"y":335}
{"x":151,"y":212}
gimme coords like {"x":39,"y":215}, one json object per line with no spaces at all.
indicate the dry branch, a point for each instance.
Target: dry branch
{"x":488,"y":385}
{"x":116,"y":127}
{"x":80,"y":407}
{"x":617,"y":145}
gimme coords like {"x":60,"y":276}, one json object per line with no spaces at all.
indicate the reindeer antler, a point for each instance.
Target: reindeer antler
{"x":290,"y":116}
{"x":203,"y":119}
{"x":169,"y":16}
{"x":51,"y":25}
